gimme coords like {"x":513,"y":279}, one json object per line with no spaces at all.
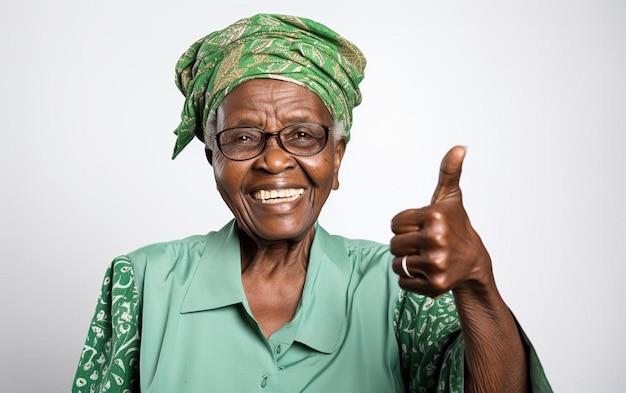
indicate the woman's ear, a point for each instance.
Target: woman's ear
{"x":209,"y":155}
{"x":340,"y":150}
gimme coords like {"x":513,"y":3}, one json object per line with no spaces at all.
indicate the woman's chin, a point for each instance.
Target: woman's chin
{"x":278,"y":229}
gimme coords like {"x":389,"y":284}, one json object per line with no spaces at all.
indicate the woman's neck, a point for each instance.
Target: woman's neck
{"x":276,"y":257}
{"x":273,"y":276}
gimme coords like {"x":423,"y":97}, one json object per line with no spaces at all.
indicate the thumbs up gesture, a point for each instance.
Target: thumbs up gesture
{"x":436,"y":248}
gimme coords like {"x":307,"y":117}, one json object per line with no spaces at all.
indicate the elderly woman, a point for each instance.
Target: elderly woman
{"x":273,"y":302}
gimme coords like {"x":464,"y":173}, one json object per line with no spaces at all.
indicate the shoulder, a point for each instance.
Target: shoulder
{"x":360,"y":244}
{"x":350,"y":244}
{"x":363,"y":253}
{"x":173,"y":258}
{"x":163,"y":252}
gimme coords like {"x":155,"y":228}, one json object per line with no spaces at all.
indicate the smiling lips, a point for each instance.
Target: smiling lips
{"x":278,"y":196}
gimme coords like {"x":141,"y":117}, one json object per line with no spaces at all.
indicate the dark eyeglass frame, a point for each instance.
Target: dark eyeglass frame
{"x":267,"y":135}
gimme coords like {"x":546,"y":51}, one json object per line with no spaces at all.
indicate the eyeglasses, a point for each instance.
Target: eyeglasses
{"x":300,"y":139}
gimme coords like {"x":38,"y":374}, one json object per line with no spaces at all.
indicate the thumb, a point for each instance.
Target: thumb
{"x":450,"y":174}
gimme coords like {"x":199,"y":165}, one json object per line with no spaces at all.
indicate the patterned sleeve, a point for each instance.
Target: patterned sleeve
{"x":431,"y":346}
{"x":110,"y":357}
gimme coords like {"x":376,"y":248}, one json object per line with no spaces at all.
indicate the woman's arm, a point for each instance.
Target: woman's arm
{"x":495,"y":357}
{"x":110,"y":357}
{"x":437,"y":251}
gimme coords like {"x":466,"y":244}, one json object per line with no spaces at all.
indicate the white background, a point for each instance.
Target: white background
{"x":536,"y":89}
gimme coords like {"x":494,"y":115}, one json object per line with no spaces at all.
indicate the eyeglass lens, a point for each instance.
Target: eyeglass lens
{"x":302,"y":139}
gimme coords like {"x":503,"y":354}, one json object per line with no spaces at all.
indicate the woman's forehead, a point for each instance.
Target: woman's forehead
{"x":268,"y":97}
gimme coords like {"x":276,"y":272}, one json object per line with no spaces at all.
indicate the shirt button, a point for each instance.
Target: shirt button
{"x":278,"y":349}
{"x":264,"y":381}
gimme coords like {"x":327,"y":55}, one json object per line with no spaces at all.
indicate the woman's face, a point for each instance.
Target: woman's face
{"x":272,"y":105}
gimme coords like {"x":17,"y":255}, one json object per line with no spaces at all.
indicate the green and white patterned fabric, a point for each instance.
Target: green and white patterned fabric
{"x":283,"y":47}
{"x":110,"y":358}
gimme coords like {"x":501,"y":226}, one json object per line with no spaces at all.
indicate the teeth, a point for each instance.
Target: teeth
{"x":277,"y":196}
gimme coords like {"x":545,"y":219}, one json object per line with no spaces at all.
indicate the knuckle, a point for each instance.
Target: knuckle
{"x":438,"y":283}
{"x":399,"y":217}
{"x":436,"y":215}
{"x":439,"y":261}
{"x":439,"y":239}
{"x":394,"y":245}
{"x":404,"y":222}
{"x":394,"y":224}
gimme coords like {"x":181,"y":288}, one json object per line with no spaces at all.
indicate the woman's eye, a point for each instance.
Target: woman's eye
{"x":243,"y":137}
{"x":302,"y":134}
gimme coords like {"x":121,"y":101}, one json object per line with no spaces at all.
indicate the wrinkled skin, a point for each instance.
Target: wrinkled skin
{"x":271,"y":105}
{"x":443,"y":250}
{"x":444,"y":253}
{"x":275,"y":237}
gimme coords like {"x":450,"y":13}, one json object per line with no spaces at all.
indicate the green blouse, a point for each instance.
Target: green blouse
{"x":173,"y":317}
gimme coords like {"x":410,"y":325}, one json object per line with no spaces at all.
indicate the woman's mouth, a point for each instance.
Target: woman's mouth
{"x":278,"y":196}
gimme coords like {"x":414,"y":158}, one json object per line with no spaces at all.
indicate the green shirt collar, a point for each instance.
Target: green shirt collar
{"x":217,"y":283}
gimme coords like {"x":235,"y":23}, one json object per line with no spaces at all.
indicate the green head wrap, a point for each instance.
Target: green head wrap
{"x":281,"y":47}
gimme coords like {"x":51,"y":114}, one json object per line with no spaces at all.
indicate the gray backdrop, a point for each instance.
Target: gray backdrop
{"x":537,"y":90}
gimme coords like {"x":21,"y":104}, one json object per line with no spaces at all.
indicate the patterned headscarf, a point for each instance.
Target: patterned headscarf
{"x":280,"y":47}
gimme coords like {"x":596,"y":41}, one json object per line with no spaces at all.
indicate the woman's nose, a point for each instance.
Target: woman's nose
{"x":274,"y":158}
